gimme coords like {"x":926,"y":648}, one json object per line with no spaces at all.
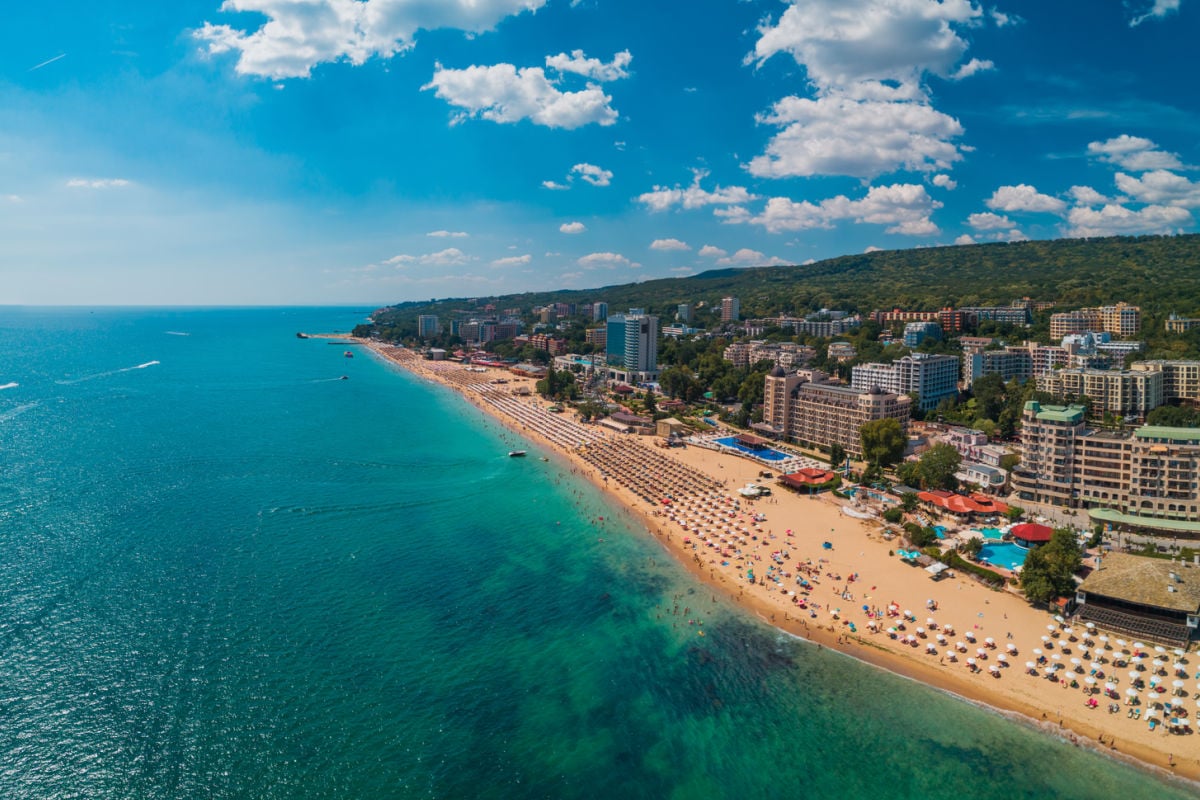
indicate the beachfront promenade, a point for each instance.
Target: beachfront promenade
{"x":800,"y":563}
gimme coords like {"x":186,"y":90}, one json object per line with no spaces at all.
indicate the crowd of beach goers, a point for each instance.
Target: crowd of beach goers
{"x":797,"y":562}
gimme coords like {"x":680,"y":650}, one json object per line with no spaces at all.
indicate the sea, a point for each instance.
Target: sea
{"x":239,"y":564}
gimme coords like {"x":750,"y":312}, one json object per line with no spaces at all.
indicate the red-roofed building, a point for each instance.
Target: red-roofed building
{"x":964,"y":505}
{"x":1031,"y":533}
{"x":807,"y":478}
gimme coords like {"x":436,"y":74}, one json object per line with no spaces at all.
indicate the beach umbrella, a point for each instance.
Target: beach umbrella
{"x":1177,"y":666}
{"x":1104,"y":641}
{"x":920,"y":631}
{"x":994,"y":669}
{"x":1139,"y":646}
{"x":970,"y":662}
{"x":1134,"y":676}
{"x":1068,"y":631}
{"x":1089,"y":680}
{"x":1121,"y":643}
{"x":1051,"y":628}
{"x":981,"y":653}
{"x":948,"y":628}
{"x":1160,"y":649}
{"x":1091,"y":626}
{"x":907,"y":613}
{"x":930,"y":622}
{"x":1062,"y":643}
{"x":931,"y":648}
{"x":950,"y":655}
{"x":970,"y":636}
{"x":1178,"y":653}
{"x":989,"y":641}
{"x":1037,"y":651}
{"x":1131,"y":692}
{"x":1030,"y":665}
{"x":1178,"y":686}
{"x":1076,"y":661}
{"x":1058,"y":618}
{"x":960,"y":646}
{"x":1046,"y":640}
{"x":1110,"y":687}
{"x":1096,"y":665}
{"x":1010,"y":647}
{"x":1056,"y":656}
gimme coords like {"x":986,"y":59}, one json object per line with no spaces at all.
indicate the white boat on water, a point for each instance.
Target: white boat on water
{"x":516,"y":453}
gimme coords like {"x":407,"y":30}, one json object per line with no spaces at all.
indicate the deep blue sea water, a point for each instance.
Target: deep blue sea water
{"x":226,"y":573}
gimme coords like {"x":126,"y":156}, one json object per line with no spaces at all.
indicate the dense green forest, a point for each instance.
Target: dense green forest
{"x":1159,"y":273}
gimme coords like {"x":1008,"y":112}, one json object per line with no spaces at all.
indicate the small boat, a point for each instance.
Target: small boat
{"x":301,"y":335}
{"x":344,"y":378}
{"x":348,"y":354}
{"x":516,"y":453}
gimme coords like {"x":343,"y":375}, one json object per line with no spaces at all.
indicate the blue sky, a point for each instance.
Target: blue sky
{"x":351,"y":151}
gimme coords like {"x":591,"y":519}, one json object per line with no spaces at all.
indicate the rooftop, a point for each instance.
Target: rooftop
{"x":1170,"y":434}
{"x":1133,"y":520}
{"x":1137,"y":579}
{"x":1069,"y":414}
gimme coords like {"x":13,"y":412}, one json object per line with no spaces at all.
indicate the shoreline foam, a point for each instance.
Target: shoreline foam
{"x":1015,"y":695}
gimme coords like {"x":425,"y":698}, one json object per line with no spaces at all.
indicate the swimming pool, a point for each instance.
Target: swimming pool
{"x":1003,"y":554}
{"x":763,"y":454}
{"x":940,"y":531}
{"x":991,"y":533}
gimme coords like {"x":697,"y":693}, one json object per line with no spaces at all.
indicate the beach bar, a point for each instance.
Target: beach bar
{"x":1149,"y":598}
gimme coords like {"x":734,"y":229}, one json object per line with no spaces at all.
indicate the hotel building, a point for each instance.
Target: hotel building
{"x":932,"y":377}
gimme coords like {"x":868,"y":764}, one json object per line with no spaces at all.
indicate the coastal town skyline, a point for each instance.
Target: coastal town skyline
{"x":259,"y":152}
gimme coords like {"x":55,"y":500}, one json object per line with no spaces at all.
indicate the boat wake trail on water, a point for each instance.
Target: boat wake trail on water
{"x":10,"y":386}
{"x":106,"y":374}
{"x":19,"y":410}
{"x":176,"y":333}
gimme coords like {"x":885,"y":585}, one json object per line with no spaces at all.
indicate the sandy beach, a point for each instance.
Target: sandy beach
{"x":956,"y":634}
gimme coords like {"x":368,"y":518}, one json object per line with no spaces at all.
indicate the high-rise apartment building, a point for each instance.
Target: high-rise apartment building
{"x":427,"y":326}
{"x":632,"y":347}
{"x":731,"y":309}
{"x":932,"y":376}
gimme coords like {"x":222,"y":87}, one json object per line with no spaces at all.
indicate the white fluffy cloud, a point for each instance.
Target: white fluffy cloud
{"x":838,"y":134}
{"x":512,"y":261}
{"x":842,"y":42}
{"x":606,"y":260}
{"x":669,"y":244}
{"x":592,"y":68}
{"x":965,"y":238}
{"x":555,"y":185}
{"x":592,"y":174}
{"x":1024,"y":197}
{"x":97,"y":183}
{"x":1134,"y":153}
{"x":663,"y":198}
{"x":905,"y":208}
{"x":572,"y":227}
{"x":972,"y":67}
{"x":1113,"y":220}
{"x":988,"y":221}
{"x":866,"y":60}
{"x":503,"y":93}
{"x":710,"y":251}
{"x":1086,"y":196}
{"x":449,"y":257}
{"x":1157,"y":10}
{"x":447,"y":234}
{"x":1160,"y":187}
{"x":298,"y":36}
{"x":945,"y":182}
{"x":745,"y":256}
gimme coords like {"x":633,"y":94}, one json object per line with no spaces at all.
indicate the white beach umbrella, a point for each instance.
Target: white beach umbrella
{"x":1030,"y":665}
{"x":948,"y":628}
{"x":1037,"y":651}
{"x":1104,"y":641}
{"x":951,"y":655}
{"x":960,"y":646}
{"x":1056,"y":656}
{"x":931,"y":648}
{"x":1159,"y":649}
{"x":920,"y":631}
{"x":1062,"y":643}
{"x":1139,"y":646}
{"x":1046,"y":640}
{"x":930,"y":621}
{"x":1110,"y":687}
{"x":1121,"y":643}
{"x":1135,"y":676}
{"x":1096,"y":665}
{"x":1131,"y":692}
{"x":1010,"y":647}
{"x":1178,"y":686}
{"x":981,"y":653}
{"x":994,"y":669}
{"x":1091,"y":626}
{"x":1076,"y":661}
{"x":1178,"y":653}
{"x":989,"y":641}
{"x":1068,"y":631}
{"x":970,"y":662}
{"x":1058,"y":618}
{"x":1089,"y":680}
{"x":970,"y":635}
{"x":1051,"y":628}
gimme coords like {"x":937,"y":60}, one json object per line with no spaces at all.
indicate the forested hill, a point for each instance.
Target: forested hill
{"x":1159,"y":273}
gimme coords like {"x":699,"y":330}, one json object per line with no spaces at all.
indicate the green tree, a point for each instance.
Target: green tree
{"x":883,"y":441}
{"x":972,"y":546}
{"x":937,"y":466}
{"x":1049,"y":570}
{"x":837,"y":455}
{"x":1014,"y":513}
{"x":649,"y":402}
{"x":910,"y":501}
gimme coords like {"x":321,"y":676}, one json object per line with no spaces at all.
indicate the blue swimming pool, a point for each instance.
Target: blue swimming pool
{"x":1003,"y":554}
{"x":763,"y":454}
{"x":940,"y":531}
{"x":991,"y":533}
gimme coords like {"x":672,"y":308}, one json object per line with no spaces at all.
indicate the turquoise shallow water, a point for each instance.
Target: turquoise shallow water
{"x":230,"y":574}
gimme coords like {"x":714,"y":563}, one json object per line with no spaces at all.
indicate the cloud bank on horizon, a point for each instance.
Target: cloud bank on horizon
{"x":274,"y":151}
